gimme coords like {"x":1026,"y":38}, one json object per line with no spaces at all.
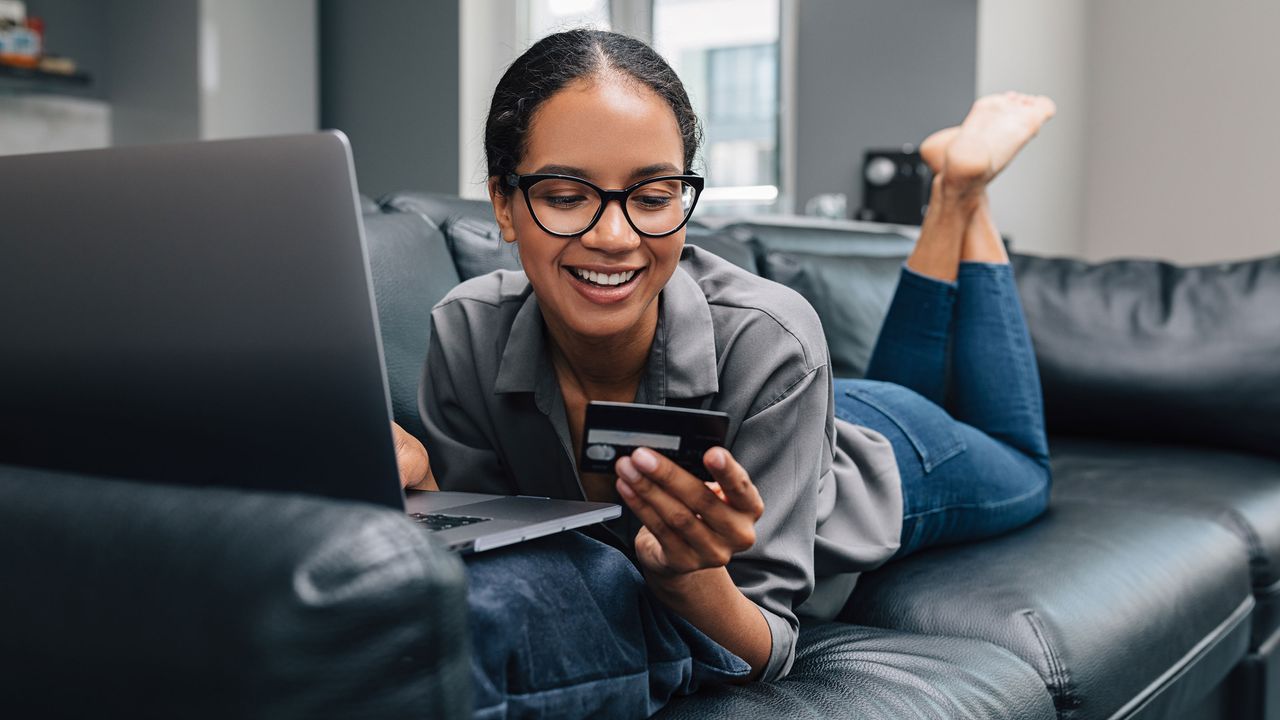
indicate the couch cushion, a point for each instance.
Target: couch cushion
{"x":1238,"y":491}
{"x":845,"y":671}
{"x":847,"y":271}
{"x":1119,"y":610}
{"x":723,"y":245}
{"x":851,"y":294}
{"x":411,"y":270}
{"x":468,"y":227}
{"x":1145,"y":350}
{"x":138,"y":600}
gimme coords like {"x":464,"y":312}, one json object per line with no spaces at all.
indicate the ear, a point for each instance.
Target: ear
{"x":503,"y":209}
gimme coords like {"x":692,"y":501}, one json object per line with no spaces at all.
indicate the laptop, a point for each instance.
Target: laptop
{"x":203,"y":314}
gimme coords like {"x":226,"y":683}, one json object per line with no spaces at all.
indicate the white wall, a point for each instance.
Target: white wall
{"x":1039,"y":46}
{"x":1165,"y":143}
{"x":258,"y":68}
{"x":1183,"y":149}
{"x":490,"y":35}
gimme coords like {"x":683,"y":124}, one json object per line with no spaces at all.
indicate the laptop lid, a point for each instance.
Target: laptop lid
{"x":194,"y":314}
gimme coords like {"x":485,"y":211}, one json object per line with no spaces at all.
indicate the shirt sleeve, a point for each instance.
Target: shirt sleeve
{"x":785,"y":448}
{"x":459,"y":444}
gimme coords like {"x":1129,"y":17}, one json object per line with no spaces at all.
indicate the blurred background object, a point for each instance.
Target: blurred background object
{"x":895,"y":186}
{"x":832,"y":206}
{"x":793,"y":94}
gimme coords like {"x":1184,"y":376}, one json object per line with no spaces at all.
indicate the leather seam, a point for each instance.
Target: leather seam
{"x":1064,"y":698}
{"x":1268,"y":646}
{"x":1183,"y":664}
{"x":1257,"y":553}
{"x":434,"y":225}
{"x":1268,"y":590}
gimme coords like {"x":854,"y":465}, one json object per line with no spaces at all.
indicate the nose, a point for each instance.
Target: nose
{"x":612,"y":234}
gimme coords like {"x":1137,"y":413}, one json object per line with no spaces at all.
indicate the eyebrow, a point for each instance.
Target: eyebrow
{"x":637,"y":174}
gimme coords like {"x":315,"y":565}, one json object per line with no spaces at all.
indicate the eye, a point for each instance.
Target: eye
{"x":564,"y":202}
{"x":651,"y":200}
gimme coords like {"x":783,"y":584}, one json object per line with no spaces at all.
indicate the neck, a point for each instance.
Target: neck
{"x":606,"y":368}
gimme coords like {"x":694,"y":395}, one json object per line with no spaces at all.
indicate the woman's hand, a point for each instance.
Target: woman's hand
{"x":411,"y":457}
{"x":688,"y":525}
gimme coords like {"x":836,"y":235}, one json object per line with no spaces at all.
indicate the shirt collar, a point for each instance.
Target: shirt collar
{"x":682,"y":361}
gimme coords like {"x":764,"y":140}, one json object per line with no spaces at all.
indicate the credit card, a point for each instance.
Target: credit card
{"x":614,"y":429}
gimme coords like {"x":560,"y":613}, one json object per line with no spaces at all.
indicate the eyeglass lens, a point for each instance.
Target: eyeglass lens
{"x":568,"y":206}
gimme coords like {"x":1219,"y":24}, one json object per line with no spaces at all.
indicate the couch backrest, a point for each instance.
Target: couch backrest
{"x":847,"y":271}
{"x":1146,"y":350}
{"x":1127,"y":350}
{"x":412,"y":270}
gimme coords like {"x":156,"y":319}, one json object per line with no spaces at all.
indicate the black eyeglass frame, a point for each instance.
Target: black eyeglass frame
{"x":524,"y":182}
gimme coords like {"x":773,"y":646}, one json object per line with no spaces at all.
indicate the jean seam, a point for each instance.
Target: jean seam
{"x":927,"y":461}
{"x":977,"y":506}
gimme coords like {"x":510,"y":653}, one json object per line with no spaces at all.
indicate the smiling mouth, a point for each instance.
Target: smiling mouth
{"x":604,"y":279}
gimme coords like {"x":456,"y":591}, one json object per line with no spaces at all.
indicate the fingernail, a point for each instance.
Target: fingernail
{"x":626,"y":470}
{"x":716,"y":461}
{"x":645,"y":460}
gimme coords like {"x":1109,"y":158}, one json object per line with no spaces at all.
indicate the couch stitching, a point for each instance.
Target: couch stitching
{"x":1064,"y":697}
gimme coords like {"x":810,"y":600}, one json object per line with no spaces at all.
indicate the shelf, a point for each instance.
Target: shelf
{"x":31,"y":80}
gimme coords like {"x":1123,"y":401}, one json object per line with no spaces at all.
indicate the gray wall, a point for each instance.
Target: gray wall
{"x":876,"y":73}
{"x":389,"y":79}
{"x":73,"y":28}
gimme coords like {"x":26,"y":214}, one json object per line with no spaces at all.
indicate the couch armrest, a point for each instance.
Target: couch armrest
{"x":144,"y":600}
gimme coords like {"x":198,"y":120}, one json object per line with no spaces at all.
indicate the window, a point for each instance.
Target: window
{"x":727,"y":52}
{"x":543,"y":17}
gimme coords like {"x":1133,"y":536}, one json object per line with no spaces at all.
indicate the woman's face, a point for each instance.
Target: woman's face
{"x":612,"y":132}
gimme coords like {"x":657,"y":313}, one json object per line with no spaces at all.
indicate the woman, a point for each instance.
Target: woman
{"x":819,"y":480}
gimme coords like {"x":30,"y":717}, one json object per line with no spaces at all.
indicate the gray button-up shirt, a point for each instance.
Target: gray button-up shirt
{"x":726,"y":340}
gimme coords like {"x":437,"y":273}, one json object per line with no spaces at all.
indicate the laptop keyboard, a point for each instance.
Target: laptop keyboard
{"x":438,"y":521}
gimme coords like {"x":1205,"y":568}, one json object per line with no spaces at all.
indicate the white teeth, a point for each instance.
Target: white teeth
{"x":596,"y":278}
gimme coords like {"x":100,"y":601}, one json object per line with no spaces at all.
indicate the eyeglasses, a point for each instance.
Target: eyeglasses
{"x":568,"y":206}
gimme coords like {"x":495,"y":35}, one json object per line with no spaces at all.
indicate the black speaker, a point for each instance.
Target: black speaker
{"x":895,"y":186}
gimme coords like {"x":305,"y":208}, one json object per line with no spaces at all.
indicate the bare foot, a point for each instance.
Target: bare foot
{"x":934,"y":148}
{"x":997,"y":127}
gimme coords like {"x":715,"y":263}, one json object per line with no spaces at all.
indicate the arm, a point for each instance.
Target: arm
{"x":689,"y":537}
{"x":786,"y":444}
{"x":450,"y":430}
{"x":463,"y":451}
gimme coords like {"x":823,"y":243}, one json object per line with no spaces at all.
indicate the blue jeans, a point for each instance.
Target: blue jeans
{"x":953,"y":385}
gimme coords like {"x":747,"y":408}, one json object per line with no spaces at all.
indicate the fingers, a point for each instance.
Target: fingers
{"x":734,"y":482}
{"x":412,"y":461}
{"x":678,"y":553}
{"x":687,"y":507}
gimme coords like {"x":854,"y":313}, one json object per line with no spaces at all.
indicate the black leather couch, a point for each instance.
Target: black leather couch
{"x":1151,"y":588}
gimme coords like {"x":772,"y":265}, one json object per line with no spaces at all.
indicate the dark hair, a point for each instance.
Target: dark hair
{"x":557,"y":60}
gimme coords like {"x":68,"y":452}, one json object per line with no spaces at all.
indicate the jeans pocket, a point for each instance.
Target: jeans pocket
{"x":932,"y":433}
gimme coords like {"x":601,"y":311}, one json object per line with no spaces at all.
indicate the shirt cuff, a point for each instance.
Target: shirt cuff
{"x":783,"y":653}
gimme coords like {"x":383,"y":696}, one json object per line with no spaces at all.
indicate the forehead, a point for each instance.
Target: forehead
{"x":607,"y":126}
